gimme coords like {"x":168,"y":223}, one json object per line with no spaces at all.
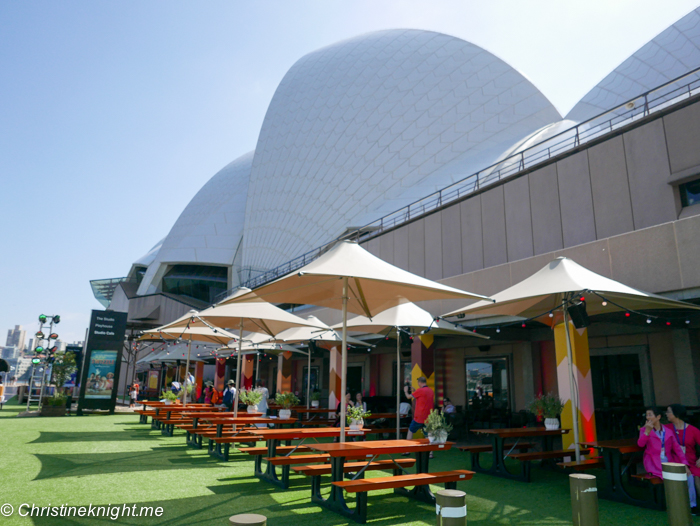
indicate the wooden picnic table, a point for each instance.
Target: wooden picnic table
{"x":498,"y":436}
{"x":614,"y":452}
{"x":369,"y":451}
{"x":275,"y":436}
{"x":164,"y":414}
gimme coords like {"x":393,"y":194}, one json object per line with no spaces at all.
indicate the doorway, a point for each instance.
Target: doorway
{"x":355,"y":379}
{"x":488,"y":392}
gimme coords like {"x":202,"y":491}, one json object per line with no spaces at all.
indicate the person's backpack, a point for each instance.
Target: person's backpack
{"x":215,"y":397}
{"x":228,"y":397}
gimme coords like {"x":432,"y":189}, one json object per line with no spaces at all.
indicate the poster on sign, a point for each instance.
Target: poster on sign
{"x":101,"y":369}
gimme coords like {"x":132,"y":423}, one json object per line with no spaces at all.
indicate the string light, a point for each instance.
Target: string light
{"x":523,"y":325}
{"x":604,"y":304}
{"x":498,"y":329}
{"x":687,"y":321}
{"x":627,"y":314}
{"x":648,"y":320}
{"x":551,"y":315}
{"x":668,"y":322}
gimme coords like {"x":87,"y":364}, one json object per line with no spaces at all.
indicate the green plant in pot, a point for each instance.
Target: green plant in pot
{"x":436,"y":427}
{"x":169,"y":397}
{"x":286,"y":401}
{"x":251,"y":398}
{"x":355,"y":417}
{"x":548,"y":407}
{"x":315,"y":398}
{"x":54,"y":405}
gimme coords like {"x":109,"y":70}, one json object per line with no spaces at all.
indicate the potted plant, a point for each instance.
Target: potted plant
{"x":169,"y":397}
{"x":63,"y":367}
{"x":549,"y":407}
{"x":286,"y":401}
{"x":355,"y":416}
{"x":54,"y":405}
{"x":251,"y":398}
{"x":436,"y":427}
{"x":315,"y":398}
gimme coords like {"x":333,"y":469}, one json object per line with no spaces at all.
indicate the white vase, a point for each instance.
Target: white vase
{"x":438,"y":437}
{"x":551,"y":424}
{"x":252,"y":408}
{"x":168,"y":402}
{"x":285,"y":413}
{"x":356,"y":424}
{"x":315,"y":403}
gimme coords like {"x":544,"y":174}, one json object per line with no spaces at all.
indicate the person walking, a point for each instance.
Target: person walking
{"x":230,"y":394}
{"x":425,"y":401}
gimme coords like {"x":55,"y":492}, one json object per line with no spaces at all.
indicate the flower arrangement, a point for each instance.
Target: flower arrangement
{"x":356,"y":413}
{"x":436,"y":423}
{"x":169,"y":396}
{"x":286,"y":400}
{"x":546,"y":406}
{"x":250,"y":396}
{"x":57,"y":400}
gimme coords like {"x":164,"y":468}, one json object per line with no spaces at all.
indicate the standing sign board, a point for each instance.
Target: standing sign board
{"x":102,"y":361}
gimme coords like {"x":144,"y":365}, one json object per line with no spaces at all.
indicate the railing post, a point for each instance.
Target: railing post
{"x":676,"y":490}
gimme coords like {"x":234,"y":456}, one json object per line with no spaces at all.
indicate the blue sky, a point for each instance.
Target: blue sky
{"x":114,"y":114}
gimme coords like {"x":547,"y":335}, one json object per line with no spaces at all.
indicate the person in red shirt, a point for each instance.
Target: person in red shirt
{"x":425,"y":402}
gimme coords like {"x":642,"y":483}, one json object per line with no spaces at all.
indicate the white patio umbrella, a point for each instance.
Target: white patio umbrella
{"x":306,"y":334}
{"x":546,"y":295}
{"x":184,"y":329}
{"x":350,"y":278}
{"x":407,"y":317}
{"x":254,"y":315}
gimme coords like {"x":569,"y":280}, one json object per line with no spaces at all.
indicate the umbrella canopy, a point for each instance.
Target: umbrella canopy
{"x":198,"y":334}
{"x":546,"y":290}
{"x":255,"y":315}
{"x":319,"y":333}
{"x":348,"y":277}
{"x":409,"y":317}
{"x":373,"y":284}
{"x":544,"y":295}
{"x":405,"y":317}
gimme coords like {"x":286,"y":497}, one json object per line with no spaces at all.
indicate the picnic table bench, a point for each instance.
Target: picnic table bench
{"x":275,"y":436}
{"x":615,"y":452}
{"x":420,"y":480}
{"x":501,"y":451}
{"x":477,"y":449}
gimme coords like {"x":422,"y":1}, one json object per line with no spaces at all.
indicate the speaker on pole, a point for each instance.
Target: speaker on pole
{"x":578,"y":314}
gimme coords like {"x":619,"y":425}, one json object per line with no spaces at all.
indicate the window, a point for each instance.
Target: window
{"x":488,"y":384}
{"x":690,"y":193}
{"x":200,"y":282}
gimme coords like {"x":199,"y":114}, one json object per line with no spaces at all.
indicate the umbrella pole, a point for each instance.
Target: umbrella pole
{"x":344,"y":361}
{"x":257,"y":368}
{"x":187,"y":370}
{"x":238,"y":370}
{"x":574,"y":406}
{"x":308,"y":380}
{"x":398,"y":385}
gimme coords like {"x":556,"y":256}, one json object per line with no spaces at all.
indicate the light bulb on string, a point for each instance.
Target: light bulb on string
{"x":498,"y":329}
{"x":668,"y":322}
{"x":551,"y":315}
{"x":604,"y":304}
{"x":687,"y":321}
{"x":648,"y":320}
{"x":627,"y":314}
{"x":523,"y":325}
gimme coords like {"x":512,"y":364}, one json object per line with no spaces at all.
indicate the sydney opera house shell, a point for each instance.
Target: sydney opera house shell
{"x":362,"y":128}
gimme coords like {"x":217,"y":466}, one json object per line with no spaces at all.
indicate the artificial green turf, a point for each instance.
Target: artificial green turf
{"x":114,"y":460}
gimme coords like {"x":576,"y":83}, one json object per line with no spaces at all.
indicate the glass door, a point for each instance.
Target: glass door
{"x":488,"y":392}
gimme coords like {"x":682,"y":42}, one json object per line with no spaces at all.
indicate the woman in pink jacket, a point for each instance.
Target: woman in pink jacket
{"x":659,"y":443}
{"x":688,"y":437}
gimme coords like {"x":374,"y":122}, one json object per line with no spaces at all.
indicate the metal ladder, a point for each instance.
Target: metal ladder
{"x":36,"y":386}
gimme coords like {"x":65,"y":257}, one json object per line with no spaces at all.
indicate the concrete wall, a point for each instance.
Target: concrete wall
{"x":622,"y":185}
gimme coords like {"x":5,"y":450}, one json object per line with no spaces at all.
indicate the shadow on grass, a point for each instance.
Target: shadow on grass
{"x":96,"y":436}
{"x":58,"y":466}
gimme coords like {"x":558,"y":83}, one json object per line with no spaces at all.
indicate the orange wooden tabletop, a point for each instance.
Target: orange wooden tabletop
{"x":300,"y":433}
{"x":250,"y":420}
{"x":521,"y":432}
{"x":625,"y":445}
{"x":379,"y":447}
{"x":188,"y":408}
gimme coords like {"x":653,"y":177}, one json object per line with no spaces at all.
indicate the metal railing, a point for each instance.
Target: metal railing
{"x":603,"y":124}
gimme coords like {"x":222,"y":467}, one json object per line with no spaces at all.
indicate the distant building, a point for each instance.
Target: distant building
{"x":8,"y":353}
{"x":15,"y":337}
